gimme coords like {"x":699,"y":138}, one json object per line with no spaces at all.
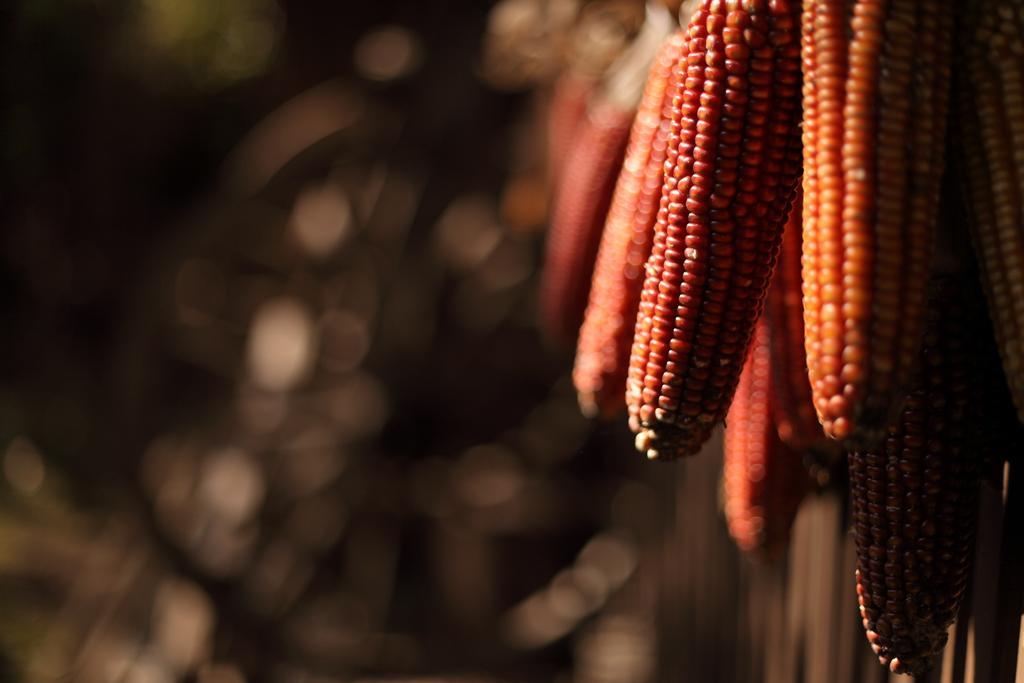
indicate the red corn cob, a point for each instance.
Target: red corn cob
{"x":991,"y":132}
{"x":581,"y":205}
{"x":566,"y":113}
{"x":874,"y":129}
{"x":794,"y":413}
{"x":732,"y":168}
{"x":602,"y":354}
{"x":588,"y":179}
{"x":764,"y":479}
{"x":914,"y":495}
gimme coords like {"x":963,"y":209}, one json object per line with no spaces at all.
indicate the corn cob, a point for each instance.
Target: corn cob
{"x":581,"y":205}
{"x":914,"y":495}
{"x":764,"y":480}
{"x":874,"y":126}
{"x":990,"y":82}
{"x":566,"y":112}
{"x":794,"y":414}
{"x":603,"y":350}
{"x":588,"y":179}
{"x":732,"y":167}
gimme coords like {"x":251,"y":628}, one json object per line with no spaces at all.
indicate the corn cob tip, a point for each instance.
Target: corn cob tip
{"x":588,"y":405}
{"x":643,"y":442}
{"x":914,"y":667}
{"x":914,"y":495}
{"x":666,"y":443}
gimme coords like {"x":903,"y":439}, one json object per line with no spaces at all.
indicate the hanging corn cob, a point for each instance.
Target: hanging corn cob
{"x":914,"y":495}
{"x":876,"y":80}
{"x":764,"y":480}
{"x":990,"y":87}
{"x":603,"y":350}
{"x":566,"y":113}
{"x":584,"y":190}
{"x":793,"y":407}
{"x":732,"y":167}
{"x":581,"y":204}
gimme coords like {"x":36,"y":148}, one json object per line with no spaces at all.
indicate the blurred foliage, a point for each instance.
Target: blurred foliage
{"x":212,"y":43}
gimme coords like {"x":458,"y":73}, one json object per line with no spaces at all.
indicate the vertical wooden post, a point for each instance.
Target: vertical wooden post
{"x":1011,"y":578}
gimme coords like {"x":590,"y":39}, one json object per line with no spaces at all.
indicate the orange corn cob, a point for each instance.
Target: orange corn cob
{"x":794,"y":413}
{"x":876,"y":81}
{"x":602,"y":354}
{"x":764,"y":479}
{"x":732,"y":168}
{"x":566,"y":112}
{"x":991,"y":132}
{"x":914,"y":495}
{"x":581,"y":205}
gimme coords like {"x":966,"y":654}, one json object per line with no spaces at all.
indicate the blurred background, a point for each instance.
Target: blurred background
{"x":273,"y":403}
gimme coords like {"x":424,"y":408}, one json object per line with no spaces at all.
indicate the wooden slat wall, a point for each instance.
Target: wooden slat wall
{"x":725,"y":618}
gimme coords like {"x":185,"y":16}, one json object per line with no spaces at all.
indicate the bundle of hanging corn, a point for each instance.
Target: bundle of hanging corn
{"x":749,"y":102}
